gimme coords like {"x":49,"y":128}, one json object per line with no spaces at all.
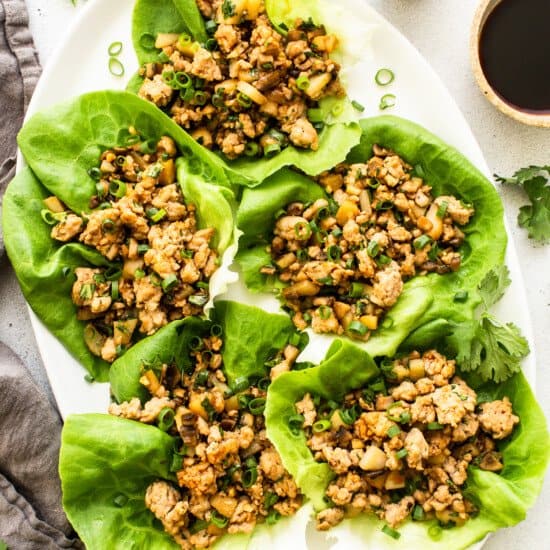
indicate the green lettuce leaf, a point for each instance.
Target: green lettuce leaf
{"x":525,"y":455}
{"x":344,"y":368}
{"x":106,"y":464}
{"x":60,"y":145}
{"x":341,"y":130}
{"x":45,"y":268}
{"x":426,"y":299}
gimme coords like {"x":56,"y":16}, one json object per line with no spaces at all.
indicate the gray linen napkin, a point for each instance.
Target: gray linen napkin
{"x":31,"y":516}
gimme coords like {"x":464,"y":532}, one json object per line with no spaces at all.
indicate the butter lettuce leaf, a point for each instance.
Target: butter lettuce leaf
{"x":426,"y":299}
{"x":346,"y":367}
{"x":61,"y":145}
{"x":341,"y":131}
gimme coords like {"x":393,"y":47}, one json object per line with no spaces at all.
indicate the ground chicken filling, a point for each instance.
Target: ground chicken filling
{"x":401,"y":447}
{"x":140,"y":221}
{"x":345,"y":259}
{"x":230,"y":476}
{"x":249,"y":90}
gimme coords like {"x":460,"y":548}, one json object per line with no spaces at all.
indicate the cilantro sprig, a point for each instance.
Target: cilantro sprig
{"x":490,"y":348}
{"x":534,"y":217}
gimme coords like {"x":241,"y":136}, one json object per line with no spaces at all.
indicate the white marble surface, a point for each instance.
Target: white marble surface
{"x":440,"y":30}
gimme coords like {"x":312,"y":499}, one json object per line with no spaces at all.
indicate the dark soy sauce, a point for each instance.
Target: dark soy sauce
{"x":514,"y":51}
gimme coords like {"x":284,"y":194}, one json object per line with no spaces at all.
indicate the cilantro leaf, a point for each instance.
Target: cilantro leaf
{"x":496,"y":350}
{"x":492,"y":287}
{"x":534,"y":217}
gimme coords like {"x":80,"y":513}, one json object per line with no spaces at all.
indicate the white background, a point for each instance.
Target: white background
{"x":440,"y":30}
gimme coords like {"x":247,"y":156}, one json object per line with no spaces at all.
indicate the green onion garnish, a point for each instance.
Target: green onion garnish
{"x":169,"y":282}
{"x":198,"y":299}
{"x":166,"y":419}
{"x":198,"y":526}
{"x":155,"y":215}
{"x":147,"y":41}
{"x":108,"y":225}
{"x":322,"y":426}
{"x":48,"y":217}
{"x":218,"y":520}
{"x":249,"y":477}
{"x":334,"y":253}
{"x":434,"y":426}
{"x":418,"y":513}
{"x":373,"y":248}
{"x":251,"y":149}
{"x":184,"y":39}
{"x":210,"y":26}
{"x":87,"y":291}
{"x":356,"y":290}
{"x":115,"y":294}
{"x":401,"y":453}
{"x":94,"y":173}
{"x":387,"y":101}
{"x":207,"y":406}
{"x":117,"y":188}
{"x":387,"y":530}
{"x":272,"y":149}
{"x":113,"y":273}
{"x":139,"y":273}
{"x":257,"y":406}
{"x":302,"y":231}
{"x":200,"y":98}
{"x":442,"y":210}
{"x":89,"y":378}
{"x":270,"y":499}
{"x":358,"y":328}
{"x":196,"y":343}
{"x":325,"y":312}
{"x":393,"y":431}
{"x":302,"y":82}
{"x":116,"y":68}
{"x":315,"y":115}
{"x":384,"y":76}
{"x":216,"y":330}
{"x":115,"y":48}
{"x":142,"y":248}
{"x":420,"y":242}
{"x":241,"y":383}
{"x":461,"y":296}
{"x":295,"y":423}
{"x":243,"y":100}
{"x":273,"y":517}
{"x":348,"y":416}
{"x":357,"y":106}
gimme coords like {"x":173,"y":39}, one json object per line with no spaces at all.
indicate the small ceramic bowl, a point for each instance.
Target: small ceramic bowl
{"x":533,"y":119}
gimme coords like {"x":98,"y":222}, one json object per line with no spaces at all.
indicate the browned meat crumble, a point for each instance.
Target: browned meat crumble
{"x":247,"y":91}
{"x":229,"y":475}
{"x":401,"y":446}
{"x":345,"y":259}
{"x":141,"y":220}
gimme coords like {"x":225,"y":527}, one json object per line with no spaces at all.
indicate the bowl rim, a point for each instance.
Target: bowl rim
{"x":484,"y":9}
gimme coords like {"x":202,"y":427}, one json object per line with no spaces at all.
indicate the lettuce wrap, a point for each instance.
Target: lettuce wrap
{"x":106,"y":463}
{"x":60,"y":146}
{"x":503,"y":499}
{"x":341,"y":131}
{"x":426,"y":301}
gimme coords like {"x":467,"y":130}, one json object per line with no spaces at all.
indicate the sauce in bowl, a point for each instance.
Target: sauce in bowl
{"x":514,"y":51}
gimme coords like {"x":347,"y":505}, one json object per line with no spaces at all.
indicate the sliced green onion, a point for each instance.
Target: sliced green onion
{"x":117,"y":188}
{"x":420,"y":242}
{"x":48,"y":217}
{"x":257,"y":405}
{"x":210,"y":26}
{"x":169,"y":282}
{"x":357,"y":106}
{"x":405,"y":417}
{"x":325,"y":312}
{"x":211,"y":44}
{"x":218,"y":100}
{"x":200,"y":98}
{"x":348,"y":416}
{"x":272,"y":149}
{"x":116,"y":68}
{"x":315,"y":115}
{"x":384,"y":76}
{"x":115,"y":294}
{"x":199,"y":525}
{"x":99,"y":278}
{"x":356,"y":290}
{"x":183,"y":80}
{"x":115,"y":48}
{"x":168,"y":76}
{"x":249,"y":477}
{"x":302,"y":231}
{"x":434,"y":426}
{"x":94,"y":173}
{"x":302,"y":82}
{"x":207,"y":406}
{"x":166,"y":419}
{"x":392,"y":406}
{"x":264,"y":383}
{"x":322,"y":426}
{"x":383,"y":205}
{"x":387,"y":101}
{"x":142,"y":248}
{"x":184,"y":39}
{"x":387,"y":530}
{"x":120,"y":500}
{"x":139,"y":273}
{"x":241,"y":383}
{"x":216,"y":330}
{"x":461,"y":296}
{"x":187,"y":94}
{"x":163,"y":57}
{"x":418,"y":513}
{"x":334,"y":253}
{"x":295,"y":423}
{"x":251,"y":149}
{"x":325,"y":281}
{"x":87,"y":291}
{"x":442,"y":210}
{"x":401,"y":453}
{"x":155,"y":215}
{"x":196,"y":343}
{"x":393,"y":431}
{"x":383,"y":259}
{"x":270,"y":499}
{"x":243,"y":100}
{"x":358,"y":328}
{"x":373,"y":248}
{"x":108,"y":225}
{"x":147,"y":41}
{"x":273,"y":517}
{"x":218,"y":520}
